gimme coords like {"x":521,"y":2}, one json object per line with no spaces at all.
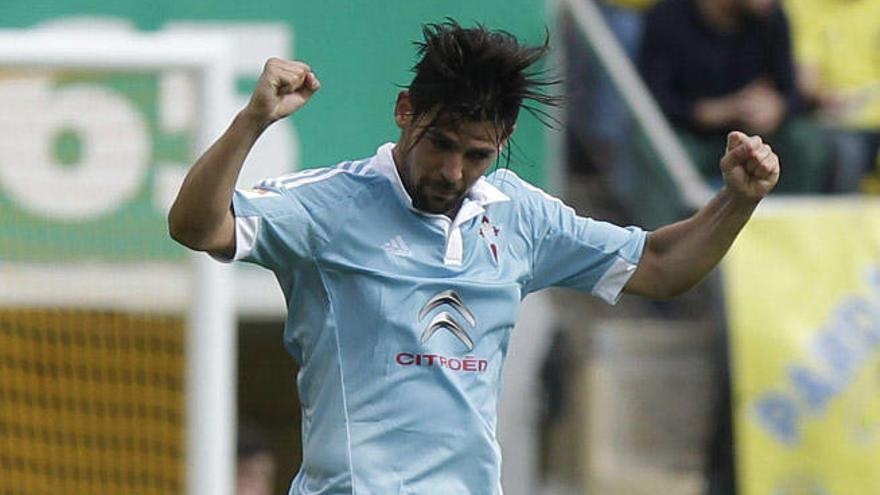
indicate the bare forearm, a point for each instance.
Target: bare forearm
{"x":200,"y":217}
{"x":685,"y":252}
{"x":678,"y":256}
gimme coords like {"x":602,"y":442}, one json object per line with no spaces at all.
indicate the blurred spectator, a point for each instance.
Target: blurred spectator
{"x":719,"y":65}
{"x":598,"y":121}
{"x":837,"y":48}
{"x":597,"y":114}
{"x":255,"y":473}
{"x":610,"y":124}
{"x":609,"y":121}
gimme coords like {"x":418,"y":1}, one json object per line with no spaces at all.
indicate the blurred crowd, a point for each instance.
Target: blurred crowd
{"x":804,"y":74}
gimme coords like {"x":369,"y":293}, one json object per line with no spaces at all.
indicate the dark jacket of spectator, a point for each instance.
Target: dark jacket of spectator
{"x":685,"y":58}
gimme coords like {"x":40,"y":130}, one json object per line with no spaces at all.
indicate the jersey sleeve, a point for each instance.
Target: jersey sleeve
{"x":272,"y":227}
{"x":577,"y":252}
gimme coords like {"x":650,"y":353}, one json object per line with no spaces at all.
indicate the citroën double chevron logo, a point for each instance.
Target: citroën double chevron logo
{"x":445,"y":319}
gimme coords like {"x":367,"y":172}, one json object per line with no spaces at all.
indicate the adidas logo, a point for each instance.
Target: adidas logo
{"x":397,"y":247}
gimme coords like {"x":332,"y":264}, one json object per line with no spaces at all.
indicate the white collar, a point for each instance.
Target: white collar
{"x":481,"y":193}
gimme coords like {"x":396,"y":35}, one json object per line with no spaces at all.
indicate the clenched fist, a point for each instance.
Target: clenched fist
{"x":750,"y":167}
{"x":283,"y":88}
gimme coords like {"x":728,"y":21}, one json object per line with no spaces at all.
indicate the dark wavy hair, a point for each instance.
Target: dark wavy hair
{"x":478,"y":75}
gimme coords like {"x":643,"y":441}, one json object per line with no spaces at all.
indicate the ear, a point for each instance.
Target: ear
{"x":403,"y":110}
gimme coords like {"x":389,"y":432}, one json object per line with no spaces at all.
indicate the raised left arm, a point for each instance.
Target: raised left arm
{"x":678,"y":256}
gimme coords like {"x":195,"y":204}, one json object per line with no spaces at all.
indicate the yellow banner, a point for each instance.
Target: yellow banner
{"x":803,"y":287}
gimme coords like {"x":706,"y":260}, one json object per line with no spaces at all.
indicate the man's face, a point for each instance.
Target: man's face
{"x":439,"y":164}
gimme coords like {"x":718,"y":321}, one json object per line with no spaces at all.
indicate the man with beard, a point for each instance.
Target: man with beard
{"x":403,"y":271}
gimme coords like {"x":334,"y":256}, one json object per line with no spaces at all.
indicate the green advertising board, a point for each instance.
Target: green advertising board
{"x":83,"y":154}
{"x":361,"y":50}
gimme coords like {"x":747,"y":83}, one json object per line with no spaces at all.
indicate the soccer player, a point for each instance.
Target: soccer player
{"x":403,"y":271}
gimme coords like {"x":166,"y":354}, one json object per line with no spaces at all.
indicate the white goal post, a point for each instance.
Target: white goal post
{"x":204,"y":294}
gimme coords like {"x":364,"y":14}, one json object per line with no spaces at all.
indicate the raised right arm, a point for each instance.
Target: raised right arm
{"x":201,"y":217}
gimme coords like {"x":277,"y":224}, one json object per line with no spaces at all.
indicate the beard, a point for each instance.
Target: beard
{"x":437,"y":198}
{"x":429,"y":195}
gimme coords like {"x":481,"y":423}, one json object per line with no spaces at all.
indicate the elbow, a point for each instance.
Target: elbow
{"x":182,"y":232}
{"x":177,"y":232}
{"x":670,"y":292}
{"x":655,"y":280}
{"x":215,"y":236}
{"x":672,"y":287}
{"x":660,"y":291}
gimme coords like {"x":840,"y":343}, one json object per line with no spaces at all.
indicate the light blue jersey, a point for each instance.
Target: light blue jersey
{"x":400,"y":320}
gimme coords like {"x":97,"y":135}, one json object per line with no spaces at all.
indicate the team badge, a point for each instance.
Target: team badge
{"x":492,"y":235}
{"x":259,"y":192}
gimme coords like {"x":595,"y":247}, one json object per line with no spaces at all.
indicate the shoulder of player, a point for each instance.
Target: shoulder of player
{"x":326,"y":185}
{"x":530,"y":205}
{"x":515,"y":187}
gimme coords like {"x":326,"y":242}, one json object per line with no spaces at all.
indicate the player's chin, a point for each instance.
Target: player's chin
{"x":436,"y":203}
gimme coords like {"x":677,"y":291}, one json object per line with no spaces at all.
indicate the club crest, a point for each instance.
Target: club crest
{"x":492,"y":235}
